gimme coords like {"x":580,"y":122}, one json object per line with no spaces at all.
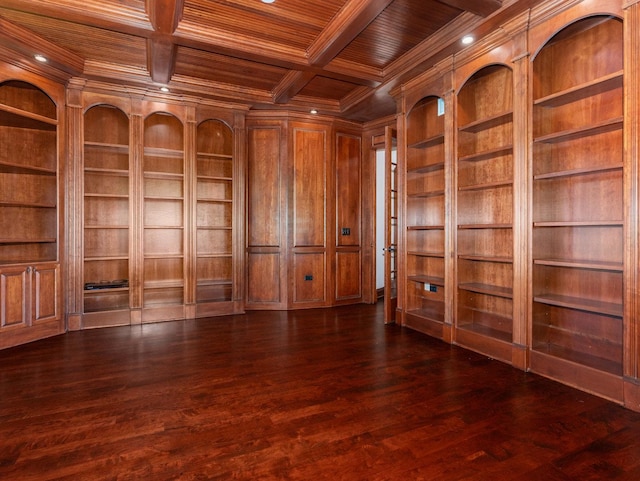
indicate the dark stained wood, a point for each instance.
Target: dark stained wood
{"x":315,"y":394}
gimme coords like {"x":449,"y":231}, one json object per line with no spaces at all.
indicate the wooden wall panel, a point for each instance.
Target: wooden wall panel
{"x":263,"y":278}
{"x":309,"y":277}
{"x":348,"y":275}
{"x":263,"y":221}
{"x":309,"y":186}
{"x":348,"y":205}
{"x":348,"y":189}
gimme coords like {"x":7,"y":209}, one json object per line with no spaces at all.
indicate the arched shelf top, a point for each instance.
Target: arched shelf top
{"x":576,"y":46}
{"x":23,"y":99}
{"x":214,"y":136}
{"x":487,"y":70}
{"x":575,"y":27}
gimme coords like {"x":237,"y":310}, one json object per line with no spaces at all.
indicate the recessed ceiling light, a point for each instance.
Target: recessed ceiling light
{"x":164,"y":89}
{"x":40,"y":58}
{"x":268,"y":1}
{"x":313,"y":111}
{"x":467,"y":39}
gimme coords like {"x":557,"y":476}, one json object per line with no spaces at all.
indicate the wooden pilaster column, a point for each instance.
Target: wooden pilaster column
{"x":73,"y":223}
{"x":631,"y":366}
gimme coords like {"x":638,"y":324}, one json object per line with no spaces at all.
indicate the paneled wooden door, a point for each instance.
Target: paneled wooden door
{"x":391,"y":226}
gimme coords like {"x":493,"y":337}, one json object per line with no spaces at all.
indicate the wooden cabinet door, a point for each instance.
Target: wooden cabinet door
{"x":14,"y":293}
{"x":45,"y":282}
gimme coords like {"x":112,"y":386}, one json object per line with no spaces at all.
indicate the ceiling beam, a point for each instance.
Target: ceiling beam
{"x":290,"y":85}
{"x":483,"y":8}
{"x":165,"y":14}
{"x":350,"y":21}
{"x":161,"y":59}
{"x":161,"y":50}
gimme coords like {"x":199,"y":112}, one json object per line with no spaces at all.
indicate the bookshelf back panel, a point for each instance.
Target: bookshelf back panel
{"x":96,"y":158}
{"x":173,"y":188}
{"x":28,"y":189}
{"x":100,"y":183}
{"x":163,"y":241}
{"x":29,"y":148}
{"x":164,"y":164}
{"x":23,"y":253}
{"x":486,"y":242}
{"x":424,"y":120}
{"x":577,"y":114}
{"x":421,"y":157}
{"x":485,"y":139}
{"x":100,"y":211}
{"x":591,"y":243}
{"x":486,"y":206}
{"x":214,"y":189}
{"x":106,"y":270}
{"x":163,"y":212}
{"x":210,"y":241}
{"x":425,"y":211}
{"x":28,"y":223}
{"x":163,"y":269}
{"x":492,"y":312}
{"x":214,"y":268}
{"x":426,"y":240}
{"x":497,"y":168}
{"x":208,"y":167}
{"x":492,"y":273}
{"x":594,"y":285}
{"x":588,"y":197}
{"x":417,"y":265}
{"x":214,"y":214}
{"x":106,"y":242}
{"x":581,"y":153}
{"x":425,"y":182}
{"x":478,"y":99}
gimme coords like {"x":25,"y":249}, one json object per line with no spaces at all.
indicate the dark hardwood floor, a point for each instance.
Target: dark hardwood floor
{"x":321,"y":394}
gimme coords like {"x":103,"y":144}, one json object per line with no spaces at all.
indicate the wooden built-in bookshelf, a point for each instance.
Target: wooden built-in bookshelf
{"x":484,"y":190}
{"x":578,"y":202}
{"x":425,"y":216}
{"x":106,"y":210}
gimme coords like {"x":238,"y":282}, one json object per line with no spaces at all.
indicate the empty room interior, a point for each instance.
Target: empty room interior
{"x":301,"y":239}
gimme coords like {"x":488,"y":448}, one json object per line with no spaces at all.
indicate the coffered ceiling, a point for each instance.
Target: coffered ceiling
{"x":341,"y":57}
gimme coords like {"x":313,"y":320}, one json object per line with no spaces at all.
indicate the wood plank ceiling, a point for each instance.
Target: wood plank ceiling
{"x":340,"y":57}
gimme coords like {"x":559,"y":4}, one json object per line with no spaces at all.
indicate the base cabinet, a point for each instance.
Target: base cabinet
{"x":30,"y":303}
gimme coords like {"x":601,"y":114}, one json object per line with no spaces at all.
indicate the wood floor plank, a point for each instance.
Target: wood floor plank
{"x":317,"y":394}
